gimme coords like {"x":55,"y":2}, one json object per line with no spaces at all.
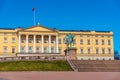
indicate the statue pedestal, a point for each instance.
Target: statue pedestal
{"x":72,"y":53}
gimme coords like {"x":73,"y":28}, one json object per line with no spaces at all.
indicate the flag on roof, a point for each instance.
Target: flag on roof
{"x":33,"y":9}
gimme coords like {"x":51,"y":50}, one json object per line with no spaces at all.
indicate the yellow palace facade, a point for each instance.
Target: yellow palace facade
{"x":90,"y":45}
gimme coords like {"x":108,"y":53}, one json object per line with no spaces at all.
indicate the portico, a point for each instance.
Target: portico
{"x":38,"y":40}
{"x":44,"y":43}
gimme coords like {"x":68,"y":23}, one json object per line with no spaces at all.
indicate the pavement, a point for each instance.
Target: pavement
{"x":34,"y":75}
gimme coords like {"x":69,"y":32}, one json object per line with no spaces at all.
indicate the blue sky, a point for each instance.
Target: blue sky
{"x":63,"y":14}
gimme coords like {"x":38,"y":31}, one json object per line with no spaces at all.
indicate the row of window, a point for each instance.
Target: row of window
{"x":29,"y":40}
{"x":96,"y":42}
{"x":30,"y":49}
{"x":59,"y":41}
{"x":102,"y":42}
{"x":6,"y":49}
{"x":37,"y":40}
{"x":38,"y":49}
{"x":52,"y":41}
{"x":96,"y":50}
{"x":53,"y":50}
{"x":6,"y":40}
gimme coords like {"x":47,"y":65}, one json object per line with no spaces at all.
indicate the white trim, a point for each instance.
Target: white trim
{"x":49,"y":44}
{"x":56,"y":43}
{"x":26,"y":43}
{"x":34,"y":44}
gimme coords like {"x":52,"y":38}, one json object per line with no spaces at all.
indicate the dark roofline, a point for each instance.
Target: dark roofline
{"x":84,"y":31}
{"x":77,"y":30}
{"x":103,"y":31}
{"x":7,"y":28}
{"x":71,"y":30}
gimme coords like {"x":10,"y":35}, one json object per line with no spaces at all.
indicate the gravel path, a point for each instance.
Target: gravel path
{"x":59,"y":75}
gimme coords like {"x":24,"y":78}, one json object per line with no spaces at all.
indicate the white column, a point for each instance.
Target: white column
{"x":34,"y":44}
{"x":19,"y":41}
{"x":42,"y":43}
{"x":26,"y":43}
{"x":57,"y":44}
{"x":49,"y":44}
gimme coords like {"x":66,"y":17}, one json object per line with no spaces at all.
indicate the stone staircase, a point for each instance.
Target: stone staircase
{"x":95,"y":65}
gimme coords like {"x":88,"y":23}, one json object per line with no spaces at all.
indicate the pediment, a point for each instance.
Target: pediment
{"x":38,"y":28}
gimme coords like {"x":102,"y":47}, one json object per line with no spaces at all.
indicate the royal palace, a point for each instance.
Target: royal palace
{"x":90,"y":45}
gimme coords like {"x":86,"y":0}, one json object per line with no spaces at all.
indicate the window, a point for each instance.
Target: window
{"x":22,"y":40}
{"x":74,"y":41}
{"x":52,"y":50}
{"x":103,"y":51}
{"x":45,"y":49}
{"x":97,"y":50}
{"x":109,"y":51}
{"x":81,"y":41}
{"x":81,"y":50}
{"x":88,"y":50}
{"x":60,"y":50}
{"x":22,"y":49}
{"x":109,"y":42}
{"x":5,"y":40}
{"x":52,"y":40}
{"x":88,"y":42}
{"x":5,"y":49}
{"x":37,"y":49}
{"x":103,"y":42}
{"x":96,"y":41}
{"x":59,"y":41}
{"x":30,"y":49}
{"x":37,"y":40}
{"x":45,"y":40}
{"x":13,"y":49}
{"x":13,"y":40}
{"x":30,"y":40}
